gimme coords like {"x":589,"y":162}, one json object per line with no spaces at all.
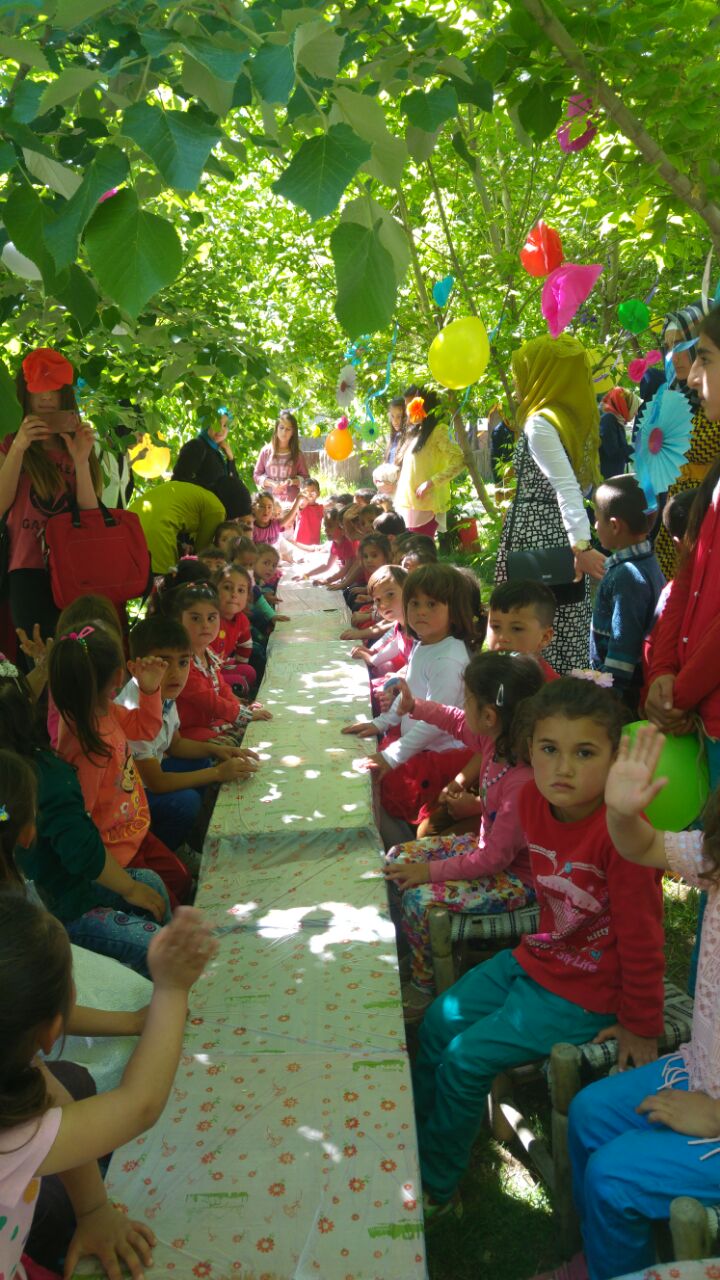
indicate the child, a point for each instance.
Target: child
{"x":594,"y":969}
{"x":243,"y":552}
{"x":104,"y":907}
{"x":639,"y":1139}
{"x":520,"y":620}
{"x":675,"y":516}
{"x":396,"y":423}
{"x":226,"y":533}
{"x":373,"y":551}
{"x":342,"y":551}
{"x":85,"y":669}
{"x":233,"y":644}
{"x":363,"y":497}
{"x":415,"y":550}
{"x":42,"y":1129}
{"x":385,"y":478}
{"x":416,"y":760}
{"x":280,"y":463}
{"x":175,"y":770}
{"x":393,"y":526}
{"x":212,"y":558}
{"x":385,"y":589}
{"x":309,"y":522}
{"x":267,"y":571}
{"x":245,"y":525}
{"x":494,"y":870}
{"x":627,"y":596}
{"x":206,"y":706}
{"x":267,"y":526}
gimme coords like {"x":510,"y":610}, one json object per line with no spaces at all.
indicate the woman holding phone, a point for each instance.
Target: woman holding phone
{"x":41,"y":465}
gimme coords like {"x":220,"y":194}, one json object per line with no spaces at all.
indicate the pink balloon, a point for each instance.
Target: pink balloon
{"x":564,"y":291}
{"x":577,"y":106}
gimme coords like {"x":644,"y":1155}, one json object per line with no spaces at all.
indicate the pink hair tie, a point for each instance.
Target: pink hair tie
{"x":79,"y":635}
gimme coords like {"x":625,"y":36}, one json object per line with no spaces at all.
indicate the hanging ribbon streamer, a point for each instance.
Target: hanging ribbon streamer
{"x":374,"y":395}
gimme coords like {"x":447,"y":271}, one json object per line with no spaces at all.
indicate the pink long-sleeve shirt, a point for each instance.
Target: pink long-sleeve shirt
{"x":685,"y":856}
{"x":501,"y":842}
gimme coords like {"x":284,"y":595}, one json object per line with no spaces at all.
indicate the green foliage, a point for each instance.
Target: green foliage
{"x":365,"y":277}
{"x":133,"y":253}
{"x":320,"y":171}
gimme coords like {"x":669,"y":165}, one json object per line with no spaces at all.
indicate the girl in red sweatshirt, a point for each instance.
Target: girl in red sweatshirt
{"x":593,"y":970}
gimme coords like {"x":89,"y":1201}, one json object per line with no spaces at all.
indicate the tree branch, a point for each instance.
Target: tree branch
{"x":628,"y":123}
{"x":457,"y":265}
{"x":417,"y":272}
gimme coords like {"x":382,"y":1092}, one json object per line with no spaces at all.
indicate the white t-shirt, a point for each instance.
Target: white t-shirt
{"x":22,"y":1150}
{"x":435,"y":674}
{"x":129,"y":697}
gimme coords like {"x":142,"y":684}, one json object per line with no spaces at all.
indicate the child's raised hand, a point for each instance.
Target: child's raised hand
{"x":406,"y":875}
{"x":114,"y":1239}
{"x":401,"y":689}
{"x":236,"y":767}
{"x":36,"y":648}
{"x":148,"y":672}
{"x":178,"y":954}
{"x":364,"y":729}
{"x":629,"y":788}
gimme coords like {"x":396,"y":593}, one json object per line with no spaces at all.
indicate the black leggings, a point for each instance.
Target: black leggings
{"x":31,"y":601}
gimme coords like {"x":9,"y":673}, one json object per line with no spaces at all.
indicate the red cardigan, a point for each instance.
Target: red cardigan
{"x":686,"y":638}
{"x":206,"y":704}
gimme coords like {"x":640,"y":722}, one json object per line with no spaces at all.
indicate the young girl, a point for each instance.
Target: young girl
{"x":342,"y":548}
{"x":233,"y":643}
{"x":267,"y":527}
{"x":374,"y":551}
{"x":396,"y":423}
{"x":639,"y":1139}
{"x":225,"y":534}
{"x":494,"y":870}
{"x":42,"y":1129}
{"x":206,"y":706}
{"x":104,"y":907}
{"x":280,"y":463}
{"x":415,"y":761}
{"x":86,"y":668}
{"x":594,"y":969}
{"x":393,"y":646}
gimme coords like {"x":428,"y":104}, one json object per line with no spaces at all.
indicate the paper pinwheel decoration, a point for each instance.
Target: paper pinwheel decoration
{"x":542,"y":251}
{"x":638,"y":368}
{"x":564,"y":292}
{"x":662,"y":442}
{"x":441,"y":290}
{"x":369,"y":431}
{"x":577,"y":107}
{"x":634,"y":315}
{"x":346,"y":384}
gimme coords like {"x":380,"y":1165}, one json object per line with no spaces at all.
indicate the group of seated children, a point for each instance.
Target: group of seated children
{"x":503,"y":785}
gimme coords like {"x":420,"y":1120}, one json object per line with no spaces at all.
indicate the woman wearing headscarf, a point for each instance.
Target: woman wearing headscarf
{"x":556,"y":460}
{"x":430,"y":460}
{"x":208,"y":461}
{"x":618,"y":408}
{"x":679,"y":338}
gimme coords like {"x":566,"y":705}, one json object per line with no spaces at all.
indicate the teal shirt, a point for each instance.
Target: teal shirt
{"x":68,"y":853}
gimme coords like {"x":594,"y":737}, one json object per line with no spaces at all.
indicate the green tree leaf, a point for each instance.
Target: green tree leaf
{"x":539,"y":112}
{"x":430,"y":110}
{"x":273,"y":73}
{"x":108,"y":169}
{"x":224,"y":61}
{"x":318,"y":48}
{"x":10,"y":408}
{"x":368,"y":213}
{"x":365,"y":115}
{"x":71,"y":13}
{"x":420,"y":144}
{"x":26,"y":52}
{"x":75,"y":291}
{"x":56,"y":176}
{"x":215,"y":93}
{"x":25,"y":218}
{"x":69,"y":84}
{"x":365,"y":278}
{"x":177,"y":143}
{"x":322,"y":168}
{"x":133,"y":254}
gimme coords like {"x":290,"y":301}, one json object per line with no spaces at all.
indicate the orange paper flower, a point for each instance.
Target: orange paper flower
{"x":416,"y":410}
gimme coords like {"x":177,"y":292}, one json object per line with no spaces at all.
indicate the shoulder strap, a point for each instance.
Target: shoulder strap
{"x":511,"y":521}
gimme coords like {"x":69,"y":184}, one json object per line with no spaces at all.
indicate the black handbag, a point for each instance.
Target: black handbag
{"x":553,"y":566}
{"x":4,"y":555}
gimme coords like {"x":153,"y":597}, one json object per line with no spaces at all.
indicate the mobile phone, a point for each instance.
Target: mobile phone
{"x":59,"y":420}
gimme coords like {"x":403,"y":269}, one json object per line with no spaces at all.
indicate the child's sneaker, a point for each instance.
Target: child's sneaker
{"x":575,"y":1269}
{"x":434,"y":1212}
{"x":414,"y":1001}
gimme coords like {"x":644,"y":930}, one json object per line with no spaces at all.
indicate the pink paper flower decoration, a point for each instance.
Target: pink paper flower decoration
{"x":107,"y":195}
{"x":638,"y":368}
{"x":577,"y":106}
{"x":564,"y":291}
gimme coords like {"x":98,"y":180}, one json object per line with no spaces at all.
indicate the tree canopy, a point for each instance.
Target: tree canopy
{"x":212,"y":200}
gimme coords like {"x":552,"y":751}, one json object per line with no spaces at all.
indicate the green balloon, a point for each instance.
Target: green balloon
{"x":684,"y":762}
{"x":634,"y":315}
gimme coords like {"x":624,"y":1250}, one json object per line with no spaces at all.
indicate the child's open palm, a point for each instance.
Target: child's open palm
{"x":112,"y":1238}
{"x":179,"y":953}
{"x":148,"y":672}
{"x":630,"y":787}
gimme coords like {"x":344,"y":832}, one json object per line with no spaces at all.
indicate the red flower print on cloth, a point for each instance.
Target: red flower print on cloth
{"x":202,"y":1269}
{"x":265,"y":1244}
{"x":352,"y":1122}
{"x":276,"y":1189}
{"x":325,"y":1225}
{"x":286,"y":1157}
{"x":350,"y":1096}
{"x":388,"y":1166}
{"x":357,"y":1184}
{"x":349,"y":1151}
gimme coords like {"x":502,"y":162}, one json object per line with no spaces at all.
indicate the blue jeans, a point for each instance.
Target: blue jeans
{"x":493,"y":1018}
{"x":626,"y":1170}
{"x":173,"y":814}
{"x":712,"y":750}
{"x":118,"y":930}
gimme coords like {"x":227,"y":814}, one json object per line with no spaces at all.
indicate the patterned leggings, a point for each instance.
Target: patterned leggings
{"x":488,"y":895}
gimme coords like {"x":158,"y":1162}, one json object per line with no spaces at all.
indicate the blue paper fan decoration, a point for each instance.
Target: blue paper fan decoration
{"x":662,"y":442}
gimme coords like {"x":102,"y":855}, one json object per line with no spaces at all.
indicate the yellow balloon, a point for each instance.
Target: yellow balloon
{"x":148,"y":460}
{"x":339,"y":445}
{"x":459,"y":354}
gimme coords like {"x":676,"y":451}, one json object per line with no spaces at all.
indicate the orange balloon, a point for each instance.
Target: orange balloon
{"x":339,"y":445}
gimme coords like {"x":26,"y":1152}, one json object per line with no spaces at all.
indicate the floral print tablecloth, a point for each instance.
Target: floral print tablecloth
{"x":287,"y":1149}
{"x":707,"y":1269}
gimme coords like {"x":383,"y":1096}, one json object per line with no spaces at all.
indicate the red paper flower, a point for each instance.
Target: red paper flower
{"x":543,"y":251}
{"x":416,"y":410}
{"x":47,"y":370}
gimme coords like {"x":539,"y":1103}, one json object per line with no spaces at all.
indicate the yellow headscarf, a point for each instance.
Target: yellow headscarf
{"x":554,"y":378}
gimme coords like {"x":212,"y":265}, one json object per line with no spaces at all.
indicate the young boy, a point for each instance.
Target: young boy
{"x":225,"y":534}
{"x":244,"y":552}
{"x":308,"y":525}
{"x":392,"y":525}
{"x":175,"y":770}
{"x":627,"y":597}
{"x":521,"y":620}
{"x":414,"y":550}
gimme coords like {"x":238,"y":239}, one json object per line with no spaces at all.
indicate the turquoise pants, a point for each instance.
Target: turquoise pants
{"x":493,"y":1018}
